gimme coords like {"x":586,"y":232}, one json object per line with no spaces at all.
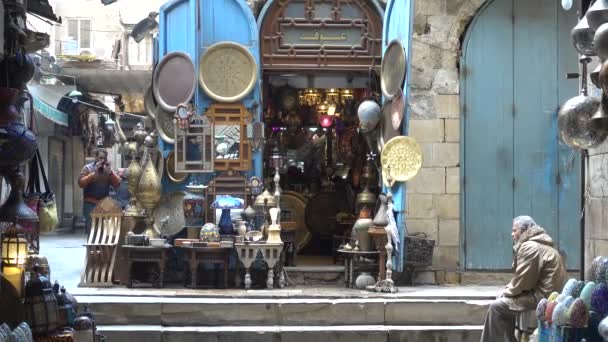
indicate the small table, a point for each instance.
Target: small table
{"x":271,"y":253}
{"x":148,"y":254}
{"x":212,"y":255}
{"x":353,"y":260}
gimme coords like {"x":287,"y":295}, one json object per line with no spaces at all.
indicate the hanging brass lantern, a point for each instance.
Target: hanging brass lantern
{"x":14,"y":247}
{"x":40,"y":305}
{"x":323,"y":108}
{"x":311,"y":97}
{"x":301,"y":98}
{"x":332,"y":95}
{"x":597,"y":14}
{"x":582,"y":38}
{"x":346,"y":95}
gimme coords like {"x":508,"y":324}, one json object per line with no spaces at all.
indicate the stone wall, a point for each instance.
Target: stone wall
{"x":433,"y":204}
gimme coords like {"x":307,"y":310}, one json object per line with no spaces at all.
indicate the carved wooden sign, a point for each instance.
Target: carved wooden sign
{"x":328,"y":34}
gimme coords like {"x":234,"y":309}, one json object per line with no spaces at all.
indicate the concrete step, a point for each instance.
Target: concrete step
{"x":358,"y":333}
{"x":243,"y":312}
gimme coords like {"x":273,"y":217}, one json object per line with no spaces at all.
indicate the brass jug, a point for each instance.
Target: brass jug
{"x":148,"y":193}
{"x":134,"y":174}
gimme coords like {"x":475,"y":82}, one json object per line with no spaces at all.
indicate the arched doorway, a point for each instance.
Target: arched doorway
{"x":516,"y":55}
{"x":319,"y":60}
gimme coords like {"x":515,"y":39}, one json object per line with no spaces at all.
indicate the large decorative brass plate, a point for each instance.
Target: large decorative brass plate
{"x":227,"y":72}
{"x":394,"y":66}
{"x":174,"y":80}
{"x":165,"y":125}
{"x":176,"y":177}
{"x":401,"y":158}
{"x":293,"y":209}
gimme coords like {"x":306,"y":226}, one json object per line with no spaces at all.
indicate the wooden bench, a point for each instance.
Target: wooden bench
{"x":102,"y":244}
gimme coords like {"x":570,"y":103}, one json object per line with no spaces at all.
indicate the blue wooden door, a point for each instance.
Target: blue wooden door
{"x":515,"y":59}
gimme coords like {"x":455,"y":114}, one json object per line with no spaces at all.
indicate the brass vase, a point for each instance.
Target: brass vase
{"x":134,"y":174}
{"x":148,"y":193}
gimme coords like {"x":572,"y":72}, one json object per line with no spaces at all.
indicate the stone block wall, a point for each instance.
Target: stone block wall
{"x":433,"y":204}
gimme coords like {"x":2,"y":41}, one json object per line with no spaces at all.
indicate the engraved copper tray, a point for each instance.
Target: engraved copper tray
{"x":293,"y":209}
{"x":227,"y":72}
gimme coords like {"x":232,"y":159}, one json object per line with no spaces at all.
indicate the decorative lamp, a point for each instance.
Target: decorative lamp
{"x":346,"y":95}
{"x":226,"y":202}
{"x":264,"y":201}
{"x":255,"y":135}
{"x":40,"y":305}
{"x":276,"y":159}
{"x":332,"y":95}
{"x":84,"y":329}
{"x":14,"y":254}
{"x":326,"y":121}
{"x":301,"y":98}
{"x":311,"y":97}
{"x":322,"y":108}
{"x":183,"y":116}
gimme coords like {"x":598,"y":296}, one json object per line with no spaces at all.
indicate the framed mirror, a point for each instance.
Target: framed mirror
{"x":232,"y":150}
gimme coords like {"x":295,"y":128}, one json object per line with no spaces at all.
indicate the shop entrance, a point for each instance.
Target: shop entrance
{"x":319,"y":63}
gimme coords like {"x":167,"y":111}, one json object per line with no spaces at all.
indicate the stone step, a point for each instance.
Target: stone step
{"x":357,"y":333}
{"x":221,"y":311}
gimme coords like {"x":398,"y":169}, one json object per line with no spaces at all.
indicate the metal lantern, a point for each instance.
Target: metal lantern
{"x":256,"y":135}
{"x":311,"y":97}
{"x":14,"y":247}
{"x":582,"y":38}
{"x":276,"y":159}
{"x":84,"y":329}
{"x":323,"y":108}
{"x":597,"y":14}
{"x":574,"y":122}
{"x":332,"y":95}
{"x":40,"y":305}
{"x":346,"y":95}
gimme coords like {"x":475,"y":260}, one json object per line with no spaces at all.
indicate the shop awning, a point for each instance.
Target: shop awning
{"x":46,"y":101}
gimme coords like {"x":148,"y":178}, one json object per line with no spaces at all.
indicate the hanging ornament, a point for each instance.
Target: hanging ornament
{"x":574,"y":123}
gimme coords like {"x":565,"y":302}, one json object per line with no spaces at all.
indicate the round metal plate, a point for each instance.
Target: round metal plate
{"x":394,"y":66}
{"x":150,"y":103}
{"x":295,"y":203}
{"x":171,"y":206}
{"x":176,"y":177}
{"x":165,"y":125}
{"x":227,"y":72}
{"x":386,"y":126}
{"x":174,"y":80}
{"x":402,"y":157}
{"x":397,"y":109}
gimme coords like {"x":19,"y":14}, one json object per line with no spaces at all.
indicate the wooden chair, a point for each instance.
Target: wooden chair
{"x":102,"y":244}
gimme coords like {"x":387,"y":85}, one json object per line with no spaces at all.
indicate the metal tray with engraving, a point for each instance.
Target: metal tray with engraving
{"x":401,"y":158}
{"x":227,"y":72}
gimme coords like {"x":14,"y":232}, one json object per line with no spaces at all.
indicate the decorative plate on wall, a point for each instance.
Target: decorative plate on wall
{"x":174,"y":80}
{"x":176,"y":177}
{"x":394,"y":66}
{"x":401,"y":159}
{"x":227,"y":72}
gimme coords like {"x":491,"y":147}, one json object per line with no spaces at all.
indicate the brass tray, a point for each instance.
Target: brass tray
{"x":165,"y":125}
{"x":150,"y":103}
{"x":171,"y":206}
{"x":394,"y":68}
{"x":293,"y":207}
{"x":402,"y":158}
{"x":227,"y":72}
{"x":174,"y":80}
{"x":176,"y":177}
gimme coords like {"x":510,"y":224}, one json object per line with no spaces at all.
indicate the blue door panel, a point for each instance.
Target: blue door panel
{"x":488,"y":126}
{"x":516,"y":56}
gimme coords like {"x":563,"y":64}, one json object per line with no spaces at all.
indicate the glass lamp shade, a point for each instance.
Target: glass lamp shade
{"x":14,"y":250}
{"x":326,"y":121}
{"x":40,"y":304}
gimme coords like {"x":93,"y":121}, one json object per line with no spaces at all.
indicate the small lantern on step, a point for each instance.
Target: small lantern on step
{"x":14,"y":253}
{"x":84,"y":329}
{"x":40,"y":304}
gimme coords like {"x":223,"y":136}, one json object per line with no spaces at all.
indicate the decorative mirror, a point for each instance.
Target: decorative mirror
{"x":231,"y":147}
{"x":194,"y":146}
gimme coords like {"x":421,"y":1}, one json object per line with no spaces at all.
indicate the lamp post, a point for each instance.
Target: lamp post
{"x":14,"y":254}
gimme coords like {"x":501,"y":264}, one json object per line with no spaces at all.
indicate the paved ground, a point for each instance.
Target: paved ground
{"x":66,"y":258}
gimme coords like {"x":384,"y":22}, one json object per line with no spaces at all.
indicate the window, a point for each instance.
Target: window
{"x":140,"y":53}
{"x":78,"y":35}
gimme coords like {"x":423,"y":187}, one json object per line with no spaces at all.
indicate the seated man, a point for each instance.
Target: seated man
{"x":539,"y":271}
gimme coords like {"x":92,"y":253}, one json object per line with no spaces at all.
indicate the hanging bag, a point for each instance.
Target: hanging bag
{"x":47,"y":208}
